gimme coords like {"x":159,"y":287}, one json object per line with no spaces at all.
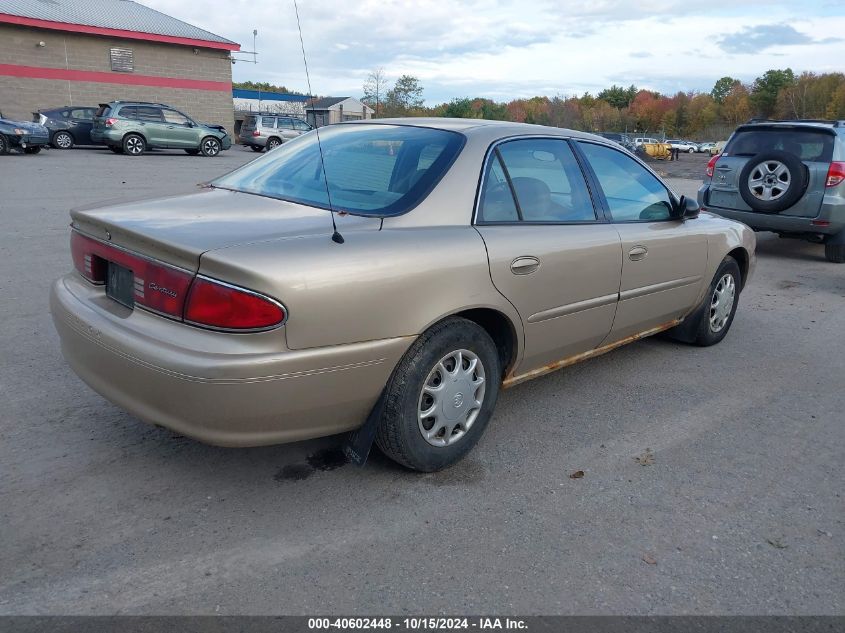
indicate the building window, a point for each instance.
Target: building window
{"x":122,"y":60}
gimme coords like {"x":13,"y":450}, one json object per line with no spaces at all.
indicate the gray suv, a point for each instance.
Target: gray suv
{"x":270,"y":130}
{"x":783,"y":176}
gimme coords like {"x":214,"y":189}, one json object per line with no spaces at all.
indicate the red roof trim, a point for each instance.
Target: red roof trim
{"x":132,"y":35}
{"x":36,"y":72}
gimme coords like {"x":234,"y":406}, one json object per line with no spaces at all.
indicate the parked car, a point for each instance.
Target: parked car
{"x":133,"y":127}
{"x":469,"y":255}
{"x":705,"y":147}
{"x":683,"y":146}
{"x":270,"y":130}
{"x":641,"y":140}
{"x":717,"y":147}
{"x":68,"y":126}
{"x":783,"y":176}
{"x":21,"y":135}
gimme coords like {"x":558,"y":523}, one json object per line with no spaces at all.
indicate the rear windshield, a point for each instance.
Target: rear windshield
{"x":808,"y":145}
{"x":249,"y":121}
{"x":103,"y":110}
{"x":376,"y":170}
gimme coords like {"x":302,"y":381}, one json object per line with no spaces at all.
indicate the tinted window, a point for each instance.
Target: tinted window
{"x":547,"y":181}
{"x":128,"y":112}
{"x":175,"y":118}
{"x":808,"y":145}
{"x":372,"y":169}
{"x":286,"y":124}
{"x":302,"y":126}
{"x":497,"y":203}
{"x":149,"y":114}
{"x":249,"y":121}
{"x":268,"y":121}
{"x":632,"y":192}
{"x":82,"y":113}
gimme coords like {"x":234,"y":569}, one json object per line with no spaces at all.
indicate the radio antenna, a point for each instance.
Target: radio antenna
{"x":336,"y":236}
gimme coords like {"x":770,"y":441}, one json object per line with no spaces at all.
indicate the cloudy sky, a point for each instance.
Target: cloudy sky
{"x":504,"y":49}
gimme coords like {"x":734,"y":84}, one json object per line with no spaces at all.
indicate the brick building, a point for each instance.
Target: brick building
{"x":86,"y":52}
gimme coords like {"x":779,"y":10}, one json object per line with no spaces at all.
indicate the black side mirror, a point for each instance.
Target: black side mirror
{"x":686,"y":209}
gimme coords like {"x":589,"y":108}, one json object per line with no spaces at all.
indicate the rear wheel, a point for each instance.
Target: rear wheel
{"x":441,"y":396}
{"x":256,"y":148}
{"x":273,"y":143}
{"x":62,"y":140}
{"x":835,"y":253}
{"x":134,"y":144}
{"x":210,"y":146}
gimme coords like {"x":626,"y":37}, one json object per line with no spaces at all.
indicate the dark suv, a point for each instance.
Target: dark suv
{"x":132,"y":127}
{"x":783,"y":176}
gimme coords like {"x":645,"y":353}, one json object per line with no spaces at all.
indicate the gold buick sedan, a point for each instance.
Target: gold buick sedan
{"x":468,"y":256}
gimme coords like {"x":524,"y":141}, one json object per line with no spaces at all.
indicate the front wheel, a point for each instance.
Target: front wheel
{"x":441,"y":396}
{"x":691,"y":150}
{"x":713,"y":319}
{"x":210,"y":146}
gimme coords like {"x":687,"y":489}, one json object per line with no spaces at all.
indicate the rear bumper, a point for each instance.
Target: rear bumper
{"x":248,"y":391}
{"x":254,"y":141}
{"x":831,"y":216}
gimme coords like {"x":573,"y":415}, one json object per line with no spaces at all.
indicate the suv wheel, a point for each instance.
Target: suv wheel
{"x":256,"y":148}
{"x":134,"y":144}
{"x":441,"y":396}
{"x":62,"y":140}
{"x":835,"y":253}
{"x":773,"y":181}
{"x":210,"y":146}
{"x":273,"y":143}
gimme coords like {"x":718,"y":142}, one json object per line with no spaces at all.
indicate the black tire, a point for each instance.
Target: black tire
{"x":62,"y":140}
{"x":698,"y":328}
{"x":273,"y":143}
{"x":116,"y":149}
{"x":796,"y":172}
{"x":134,"y":145}
{"x":210,"y":146}
{"x":192,"y":152}
{"x":399,"y":434}
{"x":32,"y":150}
{"x":4,"y":145}
{"x":256,"y":148}
{"x":835,"y":253}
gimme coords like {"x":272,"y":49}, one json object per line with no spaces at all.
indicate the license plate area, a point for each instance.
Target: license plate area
{"x":120,"y":285}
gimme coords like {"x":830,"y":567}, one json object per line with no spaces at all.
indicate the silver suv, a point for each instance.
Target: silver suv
{"x":270,"y":130}
{"x":783,"y":176}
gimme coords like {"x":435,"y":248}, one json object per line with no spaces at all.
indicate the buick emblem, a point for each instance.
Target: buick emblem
{"x":459,"y":399}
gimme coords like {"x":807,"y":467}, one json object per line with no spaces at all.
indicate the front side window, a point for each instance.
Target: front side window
{"x":175,"y":118}
{"x":378,"y":170}
{"x":300,"y":125}
{"x":544,"y":176}
{"x":632,"y":192}
{"x":285,"y":124}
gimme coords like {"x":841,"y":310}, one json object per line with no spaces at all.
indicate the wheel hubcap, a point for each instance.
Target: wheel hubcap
{"x":769,"y":180}
{"x":210,"y":147}
{"x":451,"y":398}
{"x":134,"y":146}
{"x":63,"y":141}
{"x":722,"y":302}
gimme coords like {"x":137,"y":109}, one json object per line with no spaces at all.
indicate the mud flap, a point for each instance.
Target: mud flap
{"x":359,"y":442}
{"x":687,"y":330}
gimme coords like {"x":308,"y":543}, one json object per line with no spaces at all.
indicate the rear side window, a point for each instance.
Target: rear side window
{"x":149,"y":114}
{"x":81,"y":113}
{"x":633,"y":193}
{"x":128,"y":112}
{"x":808,"y":145}
{"x":378,"y":170}
{"x":546,"y":180}
{"x":267,"y":121}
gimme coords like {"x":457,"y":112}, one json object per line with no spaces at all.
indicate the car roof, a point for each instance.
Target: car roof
{"x":478,"y":126}
{"x":817,"y":124}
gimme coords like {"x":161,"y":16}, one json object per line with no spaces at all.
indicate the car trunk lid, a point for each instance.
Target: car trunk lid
{"x":178,"y":230}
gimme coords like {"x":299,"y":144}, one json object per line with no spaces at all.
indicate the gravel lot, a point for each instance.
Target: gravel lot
{"x":738,"y":509}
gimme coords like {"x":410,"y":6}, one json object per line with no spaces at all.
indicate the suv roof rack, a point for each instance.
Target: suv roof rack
{"x":832,"y":122}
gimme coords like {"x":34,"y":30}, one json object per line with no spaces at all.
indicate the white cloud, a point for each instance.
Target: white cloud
{"x":504,"y":48}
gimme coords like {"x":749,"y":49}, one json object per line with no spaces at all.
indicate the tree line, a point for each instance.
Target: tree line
{"x":775,"y":94}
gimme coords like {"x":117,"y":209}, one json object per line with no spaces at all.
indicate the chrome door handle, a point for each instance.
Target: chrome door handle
{"x":524,"y":265}
{"x":637,"y":253}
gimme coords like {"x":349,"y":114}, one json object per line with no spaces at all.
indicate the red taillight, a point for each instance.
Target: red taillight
{"x":256,"y":133}
{"x":711,"y":165}
{"x":217,"y":305}
{"x":110,"y":121}
{"x":158,"y":286}
{"x":835,"y":174}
